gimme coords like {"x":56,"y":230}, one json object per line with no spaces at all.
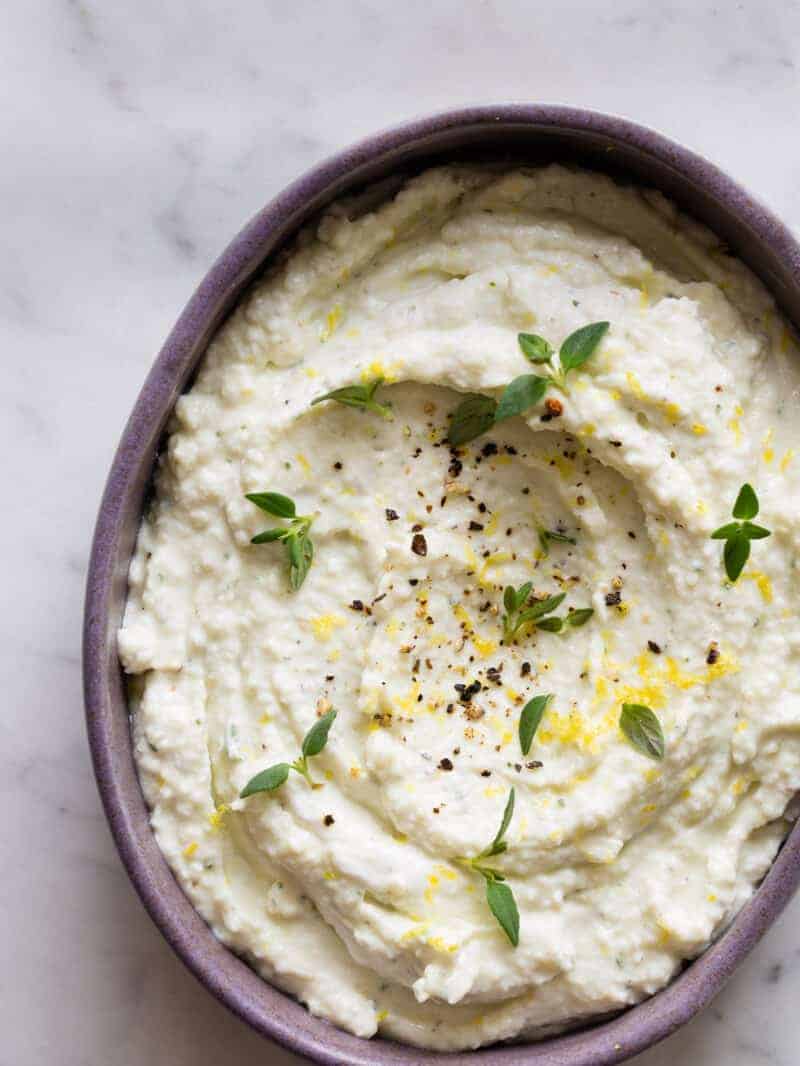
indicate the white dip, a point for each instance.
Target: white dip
{"x":621,"y":865}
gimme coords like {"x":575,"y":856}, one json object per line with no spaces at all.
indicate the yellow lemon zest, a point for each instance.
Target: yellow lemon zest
{"x":414,"y":933}
{"x":497,"y":559}
{"x":482,"y":645}
{"x":217,"y":817}
{"x":763,"y":583}
{"x":323,"y":625}
{"x":491,"y":525}
{"x":332,"y":320}
{"x":733,"y":423}
{"x":409,"y":703}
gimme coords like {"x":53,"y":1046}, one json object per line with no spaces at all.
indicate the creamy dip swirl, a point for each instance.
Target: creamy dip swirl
{"x":347,"y":895}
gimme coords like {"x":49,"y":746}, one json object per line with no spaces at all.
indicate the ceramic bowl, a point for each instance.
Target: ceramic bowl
{"x":530,"y":134}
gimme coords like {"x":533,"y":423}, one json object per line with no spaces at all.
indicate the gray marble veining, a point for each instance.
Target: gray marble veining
{"x":136,"y":140}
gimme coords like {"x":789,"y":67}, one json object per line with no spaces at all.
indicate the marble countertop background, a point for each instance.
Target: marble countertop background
{"x":136,"y":139}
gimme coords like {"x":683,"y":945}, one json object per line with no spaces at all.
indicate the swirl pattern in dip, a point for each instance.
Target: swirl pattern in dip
{"x":621,"y":866}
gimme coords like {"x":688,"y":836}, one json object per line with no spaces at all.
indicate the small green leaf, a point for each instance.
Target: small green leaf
{"x":554,"y":624}
{"x":579,"y":617}
{"x":580,"y":345}
{"x":473,"y":416}
{"x":504,"y":824}
{"x":510,"y":599}
{"x":358,"y":396}
{"x":317,"y":736}
{"x":542,"y":607}
{"x":523,"y":392}
{"x":754,"y":532}
{"x":503,"y":906}
{"x":736,"y":554}
{"x":746,"y":505}
{"x":273,"y":503}
{"x":642,"y":729}
{"x":301,"y":555}
{"x":529,"y":720}
{"x":523,"y":592}
{"x":561,"y":538}
{"x":536,"y":349}
{"x":267,"y":781}
{"x":350,"y":395}
{"x":269,"y":535}
{"x":726,"y":531}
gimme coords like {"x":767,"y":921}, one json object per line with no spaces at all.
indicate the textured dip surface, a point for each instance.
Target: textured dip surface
{"x":622,"y":866}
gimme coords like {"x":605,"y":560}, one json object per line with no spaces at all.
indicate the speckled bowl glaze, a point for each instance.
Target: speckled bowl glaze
{"x":532,"y":134}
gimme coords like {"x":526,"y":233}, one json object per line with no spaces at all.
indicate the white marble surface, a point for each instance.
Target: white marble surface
{"x":136,"y":139}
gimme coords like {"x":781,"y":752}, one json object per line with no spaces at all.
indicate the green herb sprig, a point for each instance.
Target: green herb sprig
{"x":529,"y":720}
{"x":274,"y":776}
{"x":499,"y":896}
{"x":546,"y":536}
{"x":642,"y":730}
{"x":299,"y":548}
{"x":362,"y":396}
{"x":737,"y":535}
{"x":476,"y":414}
{"x":539,"y":613}
{"x":574,"y":351}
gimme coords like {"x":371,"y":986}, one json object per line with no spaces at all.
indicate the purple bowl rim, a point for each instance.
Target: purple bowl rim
{"x":607,"y":1042}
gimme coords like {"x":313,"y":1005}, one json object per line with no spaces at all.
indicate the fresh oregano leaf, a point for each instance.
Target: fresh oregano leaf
{"x":273,"y":503}
{"x":317,"y":736}
{"x":746,"y":505}
{"x":503,"y":906}
{"x":543,"y":607}
{"x":266,"y":781}
{"x":553,"y":624}
{"x":754,"y":532}
{"x":274,"y":776}
{"x":299,"y":549}
{"x":529,"y":720}
{"x":505,"y":822}
{"x":536,"y":349}
{"x":523,"y":392}
{"x":301,"y":555}
{"x":578,"y":617}
{"x":642,"y":729}
{"x":269,"y":535}
{"x":737,"y":535}
{"x":580,"y":345}
{"x":736,"y":554}
{"x":726,"y":531}
{"x":362,"y":396}
{"x":473,"y":416}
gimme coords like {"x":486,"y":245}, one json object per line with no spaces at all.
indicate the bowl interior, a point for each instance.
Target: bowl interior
{"x":518,"y":134}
